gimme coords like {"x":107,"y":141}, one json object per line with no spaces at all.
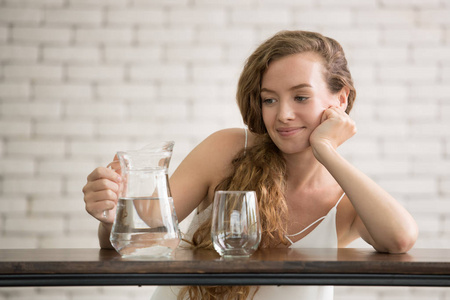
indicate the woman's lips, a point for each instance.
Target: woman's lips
{"x":285,"y":132}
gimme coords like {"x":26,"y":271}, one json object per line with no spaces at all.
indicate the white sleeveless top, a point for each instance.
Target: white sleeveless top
{"x":323,"y":236}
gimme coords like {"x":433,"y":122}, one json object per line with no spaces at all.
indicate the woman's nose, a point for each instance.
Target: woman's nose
{"x":285,"y":112}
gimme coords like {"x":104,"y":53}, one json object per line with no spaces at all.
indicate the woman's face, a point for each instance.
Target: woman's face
{"x":293,"y":97}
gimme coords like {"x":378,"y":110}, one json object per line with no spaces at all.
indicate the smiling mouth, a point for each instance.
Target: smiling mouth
{"x":285,"y":132}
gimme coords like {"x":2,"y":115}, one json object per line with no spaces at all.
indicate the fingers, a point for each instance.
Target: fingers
{"x":104,"y":173}
{"x":101,"y":193}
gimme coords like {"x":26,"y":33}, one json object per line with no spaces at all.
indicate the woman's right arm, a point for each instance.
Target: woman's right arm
{"x":192,"y":182}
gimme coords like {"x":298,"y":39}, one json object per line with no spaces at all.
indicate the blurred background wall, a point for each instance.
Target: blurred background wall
{"x":81,"y":79}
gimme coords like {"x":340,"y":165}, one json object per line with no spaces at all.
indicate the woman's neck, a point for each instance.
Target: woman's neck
{"x":305,"y":171}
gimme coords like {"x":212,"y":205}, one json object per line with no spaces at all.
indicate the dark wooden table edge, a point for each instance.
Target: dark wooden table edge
{"x":21,"y":280}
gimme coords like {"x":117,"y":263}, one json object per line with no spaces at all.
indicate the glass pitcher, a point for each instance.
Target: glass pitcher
{"x":145,"y":224}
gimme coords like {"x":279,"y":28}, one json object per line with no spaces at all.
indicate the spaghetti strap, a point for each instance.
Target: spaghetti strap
{"x":337,"y":203}
{"x":313,"y":223}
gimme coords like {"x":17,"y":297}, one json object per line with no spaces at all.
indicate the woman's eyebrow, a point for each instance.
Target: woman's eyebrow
{"x":298,"y":86}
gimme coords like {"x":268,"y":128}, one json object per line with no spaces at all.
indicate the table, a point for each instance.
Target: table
{"x":94,"y":267}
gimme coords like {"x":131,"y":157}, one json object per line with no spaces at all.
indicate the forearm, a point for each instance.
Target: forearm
{"x":385,"y":223}
{"x":104,"y":230}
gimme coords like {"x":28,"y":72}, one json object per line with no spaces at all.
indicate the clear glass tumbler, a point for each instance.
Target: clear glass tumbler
{"x":236,"y":229}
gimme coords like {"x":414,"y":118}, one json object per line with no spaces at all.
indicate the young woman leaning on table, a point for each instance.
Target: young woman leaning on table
{"x":294,"y":94}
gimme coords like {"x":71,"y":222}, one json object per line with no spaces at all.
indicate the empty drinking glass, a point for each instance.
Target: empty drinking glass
{"x":236,"y":229}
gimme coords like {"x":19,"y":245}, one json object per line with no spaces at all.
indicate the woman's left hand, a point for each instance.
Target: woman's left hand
{"x":335,"y":128}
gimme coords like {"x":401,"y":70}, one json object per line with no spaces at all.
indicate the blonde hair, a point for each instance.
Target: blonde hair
{"x":262,"y":168}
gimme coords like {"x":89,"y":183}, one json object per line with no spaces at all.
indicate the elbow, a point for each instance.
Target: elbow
{"x":403,"y":242}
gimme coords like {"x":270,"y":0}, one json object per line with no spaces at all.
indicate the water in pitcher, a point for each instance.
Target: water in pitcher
{"x":144,"y":227}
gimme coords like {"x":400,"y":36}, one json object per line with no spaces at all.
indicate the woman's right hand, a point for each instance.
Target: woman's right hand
{"x":101,"y":192}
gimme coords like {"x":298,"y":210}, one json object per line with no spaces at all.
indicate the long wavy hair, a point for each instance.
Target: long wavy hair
{"x":262,"y":168}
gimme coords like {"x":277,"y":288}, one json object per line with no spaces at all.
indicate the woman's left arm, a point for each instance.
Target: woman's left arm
{"x":381,"y":220}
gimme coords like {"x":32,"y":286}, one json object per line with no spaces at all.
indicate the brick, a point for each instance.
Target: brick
{"x":32,"y":186}
{"x":216,"y":73}
{"x":41,"y":35}
{"x":411,"y":35}
{"x":71,"y":54}
{"x":80,"y":240}
{"x":12,"y":204}
{"x":408,"y":73}
{"x":4,"y":33}
{"x":14,"y":89}
{"x":47,"y":205}
{"x":34,"y":3}
{"x":410,"y":185}
{"x":163,"y":111}
{"x":98,"y":3}
{"x":197,"y":16}
{"x":13,"y":128}
{"x":12,"y":241}
{"x":430,"y":91}
{"x":196,"y":92}
{"x":160,"y":36}
{"x":444,"y":186}
{"x":37,"y":225}
{"x":227,"y":36}
{"x":18,"y":53}
{"x":429,"y":206}
{"x":400,"y":147}
{"x":31,"y":109}
{"x":363,"y":5}
{"x":159,"y":72}
{"x":133,"y":54}
{"x":95,"y":148}
{"x":379,"y":167}
{"x":97,"y":73}
{"x":129,"y":128}
{"x":87,"y":110}
{"x":86,"y":224}
{"x":64,"y":128}
{"x":194,"y":53}
{"x":126,"y":91}
{"x":36,"y":72}
{"x":66,"y":167}
{"x":20,"y":16}
{"x":322,"y":17}
{"x":261,"y":17}
{"x":364,"y":73}
{"x":432,"y":168}
{"x":74,"y":16}
{"x":431,"y":54}
{"x":438,"y":16}
{"x":351,"y":37}
{"x":446,"y":74}
{"x":11,"y":166}
{"x":429,"y":129}
{"x":142,"y":16}
{"x":108,"y":36}
{"x":37,"y":147}
{"x":408,"y":3}
{"x":391,"y":17}
{"x":62,"y":91}
{"x":428,"y":223}
{"x":381,"y":54}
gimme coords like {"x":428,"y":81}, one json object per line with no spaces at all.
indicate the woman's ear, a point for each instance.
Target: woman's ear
{"x":343,"y":97}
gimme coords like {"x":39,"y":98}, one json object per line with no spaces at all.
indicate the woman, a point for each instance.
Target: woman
{"x":294,"y":94}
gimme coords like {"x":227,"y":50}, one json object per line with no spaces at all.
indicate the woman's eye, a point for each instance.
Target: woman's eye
{"x":268,"y":101}
{"x":300,"y":99}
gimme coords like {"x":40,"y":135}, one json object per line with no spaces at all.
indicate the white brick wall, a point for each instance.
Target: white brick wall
{"x":81,"y":79}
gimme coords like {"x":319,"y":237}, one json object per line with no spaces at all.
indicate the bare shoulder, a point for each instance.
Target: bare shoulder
{"x":207,"y":165}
